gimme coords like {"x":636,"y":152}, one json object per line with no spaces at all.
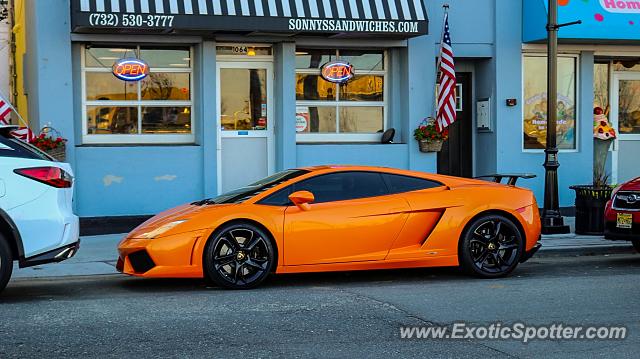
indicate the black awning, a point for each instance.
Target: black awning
{"x":397,"y":18}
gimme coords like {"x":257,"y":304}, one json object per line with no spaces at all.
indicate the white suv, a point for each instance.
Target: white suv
{"x":37,"y":224}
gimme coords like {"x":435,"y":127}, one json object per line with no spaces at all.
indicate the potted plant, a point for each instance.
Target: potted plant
{"x":428,"y":136}
{"x":592,"y":199}
{"x":54,"y":146}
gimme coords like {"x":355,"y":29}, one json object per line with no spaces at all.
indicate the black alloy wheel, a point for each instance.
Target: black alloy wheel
{"x":6,"y":263}
{"x":239,"y":256}
{"x":491,"y":247}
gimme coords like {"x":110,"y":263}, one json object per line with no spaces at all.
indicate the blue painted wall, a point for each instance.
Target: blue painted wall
{"x":118,"y":181}
{"x":131,"y":180}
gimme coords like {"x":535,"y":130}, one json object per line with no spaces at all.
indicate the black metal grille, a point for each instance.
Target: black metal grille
{"x":141,"y":261}
{"x":627,"y":200}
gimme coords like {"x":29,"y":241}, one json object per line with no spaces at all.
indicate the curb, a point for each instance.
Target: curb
{"x":578,"y":251}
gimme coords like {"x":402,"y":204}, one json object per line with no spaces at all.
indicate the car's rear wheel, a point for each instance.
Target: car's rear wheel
{"x":636,"y":244}
{"x":239,"y":256}
{"x":491,"y":247}
{"x":6,"y":263}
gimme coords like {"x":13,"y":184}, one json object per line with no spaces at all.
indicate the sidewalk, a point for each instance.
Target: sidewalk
{"x":97,"y":255}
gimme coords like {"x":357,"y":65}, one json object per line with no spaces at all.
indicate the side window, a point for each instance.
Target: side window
{"x":280,"y":198}
{"x":343,"y":186}
{"x":402,"y":184}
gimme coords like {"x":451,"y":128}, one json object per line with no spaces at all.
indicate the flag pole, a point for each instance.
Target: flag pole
{"x":435,"y":88}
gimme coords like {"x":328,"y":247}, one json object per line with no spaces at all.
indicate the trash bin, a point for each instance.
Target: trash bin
{"x":590,"y":205}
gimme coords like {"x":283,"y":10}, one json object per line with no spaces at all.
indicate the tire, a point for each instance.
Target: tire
{"x":6,"y":263}
{"x":636,"y":244}
{"x":491,"y":247}
{"x":239,"y":256}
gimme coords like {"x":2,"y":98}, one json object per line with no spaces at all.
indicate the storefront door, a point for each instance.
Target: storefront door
{"x":456,"y":157}
{"x":625,"y":117}
{"x":245,"y":123}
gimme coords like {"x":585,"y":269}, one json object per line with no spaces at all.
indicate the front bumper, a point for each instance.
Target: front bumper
{"x":52,"y":256}
{"x":527,"y":255}
{"x":173,"y":256}
{"x":612,"y":232}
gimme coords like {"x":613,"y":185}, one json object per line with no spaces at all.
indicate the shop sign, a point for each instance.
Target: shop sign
{"x":130,"y":69}
{"x":337,"y":72}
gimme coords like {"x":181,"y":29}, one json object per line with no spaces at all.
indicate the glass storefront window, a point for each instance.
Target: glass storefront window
{"x":601,"y":86}
{"x":243,"y":99}
{"x":103,"y":86}
{"x":629,"y":107}
{"x":169,"y":86}
{"x":313,"y":87}
{"x":109,"y":120}
{"x":535,"y":102}
{"x":353,"y":111}
{"x":118,"y":111}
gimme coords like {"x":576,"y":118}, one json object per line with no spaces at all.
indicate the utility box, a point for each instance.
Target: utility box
{"x":483,"y":115}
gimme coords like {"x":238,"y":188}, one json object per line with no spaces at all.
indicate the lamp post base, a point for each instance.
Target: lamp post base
{"x":553,"y":223}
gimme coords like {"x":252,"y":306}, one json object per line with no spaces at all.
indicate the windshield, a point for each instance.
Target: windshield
{"x":242,"y":194}
{"x":24,"y":149}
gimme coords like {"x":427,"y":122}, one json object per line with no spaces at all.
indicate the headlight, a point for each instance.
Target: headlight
{"x":160,"y":230}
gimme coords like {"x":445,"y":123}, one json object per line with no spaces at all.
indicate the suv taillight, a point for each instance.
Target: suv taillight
{"x":52,"y":176}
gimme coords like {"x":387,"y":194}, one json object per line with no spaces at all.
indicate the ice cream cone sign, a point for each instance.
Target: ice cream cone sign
{"x":602,"y":130}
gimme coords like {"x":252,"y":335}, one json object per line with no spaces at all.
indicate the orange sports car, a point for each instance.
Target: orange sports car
{"x":339,"y":218}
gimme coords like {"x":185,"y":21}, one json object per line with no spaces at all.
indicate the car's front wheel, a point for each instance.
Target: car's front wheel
{"x":636,"y":244}
{"x":239,"y":256}
{"x":6,"y":263}
{"x":491,"y":247}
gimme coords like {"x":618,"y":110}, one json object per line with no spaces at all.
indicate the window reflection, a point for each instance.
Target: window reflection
{"x":103,"y":120}
{"x":166,"y":86}
{"x":535,"y":102}
{"x":314,"y":87}
{"x":363,"y":88}
{"x":629,"y":107}
{"x":243,"y":95}
{"x":361,"y":119}
{"x":166,"y":120}
{"x":103,"y":86}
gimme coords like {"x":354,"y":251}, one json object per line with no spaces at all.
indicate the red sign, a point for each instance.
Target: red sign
{"x":130,"y":69}
{"x":337,"y":71}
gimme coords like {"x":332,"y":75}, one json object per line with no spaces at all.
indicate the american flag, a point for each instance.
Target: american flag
{"x":23,"y":133}
{"x":447,"y":89}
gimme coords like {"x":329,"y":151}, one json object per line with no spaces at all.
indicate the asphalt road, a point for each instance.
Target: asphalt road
{"x":355,"y":315}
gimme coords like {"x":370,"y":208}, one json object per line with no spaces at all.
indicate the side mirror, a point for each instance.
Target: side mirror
{"x":302,"y":199}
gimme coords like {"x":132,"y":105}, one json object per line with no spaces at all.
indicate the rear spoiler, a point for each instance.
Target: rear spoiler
{"x":5,"y":130}
{"x":513,"y":177}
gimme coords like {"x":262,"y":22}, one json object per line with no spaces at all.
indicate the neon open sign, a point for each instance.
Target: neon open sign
{"x":337,"y":71}
{"x":130,"y":69}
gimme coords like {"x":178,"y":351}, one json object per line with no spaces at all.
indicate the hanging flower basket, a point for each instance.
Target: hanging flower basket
{"x":50,"y":142}
{"x":428,"y":136}
{"x":430,"y":145}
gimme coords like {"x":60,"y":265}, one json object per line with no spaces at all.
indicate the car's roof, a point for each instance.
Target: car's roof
{"x":447,"y":180}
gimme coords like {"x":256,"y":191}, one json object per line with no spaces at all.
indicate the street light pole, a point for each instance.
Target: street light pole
{"x":552,"y":221}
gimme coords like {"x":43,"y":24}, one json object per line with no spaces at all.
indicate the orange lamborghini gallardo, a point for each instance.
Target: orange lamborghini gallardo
{"x":338,"y":218}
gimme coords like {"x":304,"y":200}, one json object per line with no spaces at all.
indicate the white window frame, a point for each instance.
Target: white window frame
{"x":576,"y":58}
{"x":139,"y":138}
{"x":347,"y":137}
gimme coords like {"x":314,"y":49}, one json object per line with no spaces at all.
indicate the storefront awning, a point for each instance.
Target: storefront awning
{"x":603,"y":21}
{"x":396,"y":18}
